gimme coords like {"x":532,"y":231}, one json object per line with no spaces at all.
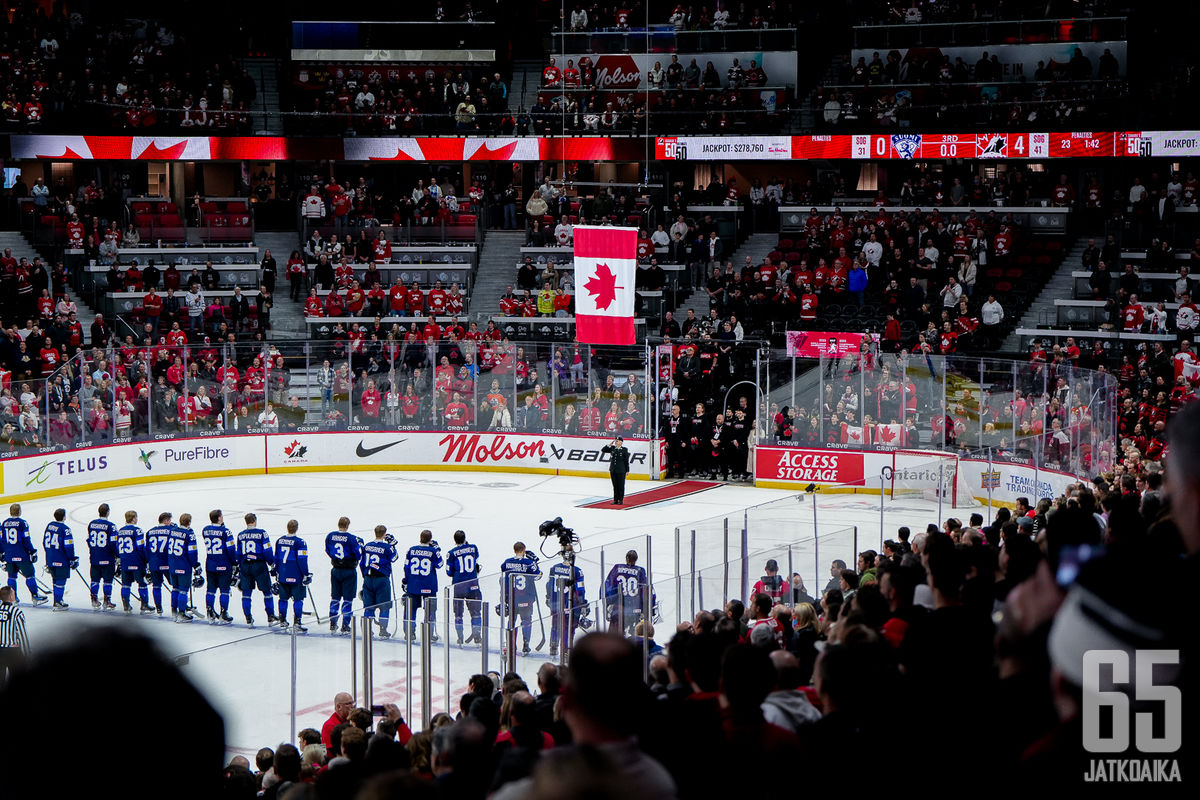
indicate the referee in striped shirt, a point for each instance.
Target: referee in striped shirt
{"x":14,"y":644}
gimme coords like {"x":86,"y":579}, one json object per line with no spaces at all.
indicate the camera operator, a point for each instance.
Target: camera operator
{"x":566,"y":599}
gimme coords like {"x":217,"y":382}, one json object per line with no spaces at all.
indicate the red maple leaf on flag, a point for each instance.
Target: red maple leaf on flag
{"x":886,"y":433}
{"x":602,"y":286}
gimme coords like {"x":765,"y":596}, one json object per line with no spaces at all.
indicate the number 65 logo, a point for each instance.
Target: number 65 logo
{"x":1145,"y":691}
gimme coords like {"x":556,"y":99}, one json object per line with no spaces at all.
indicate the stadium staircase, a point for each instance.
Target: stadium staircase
{"x":287,"y":317}
{"x":265,"y":72}
{"x":526,"y":80}
{"x":1042,"y":310}
{"x":757,"y":245}
{"x":499,"y":256}
{"x":21,"y":248}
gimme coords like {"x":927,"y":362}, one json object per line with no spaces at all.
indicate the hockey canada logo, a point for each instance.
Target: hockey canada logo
{"x":295,"y":451}
{"x":906,"y":145}
{"x":994,"y":146}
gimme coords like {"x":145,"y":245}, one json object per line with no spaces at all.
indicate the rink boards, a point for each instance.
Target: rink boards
{"x":58,"y":472}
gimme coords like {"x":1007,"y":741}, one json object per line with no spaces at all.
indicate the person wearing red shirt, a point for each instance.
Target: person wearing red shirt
{"x":343,"y":274}
{"x":589,"y":418}
{"x":45,"y":305}
{"x":383,"y":249}
{"x":75,"y":232}
{"x":1133,"y":315}
{"x":947,"y":340}
{"x":529,"y":305}
{"x":1002,"y":244}
{"x":892,"y":335}
{"x":355,"y":299}
{"x":571,"y":76}
{"x":176,"y":337}
{"x":808,"y":305}
{"x":175,"y":372}
{"x":551,"y":75}
{"x":510,"y":304}
{"x":416,"y":300}
{"x":376,"y":299}
{"x":456,"y":411}
{"x":295,"y":271}
{"x":820,"y":275}
{"x":562,"y":303}
{"x":431,"y":330}
{"x":398,"y":299}
{"x":50,"y":358}
{"x":335,"y":306}
{"x":454,"y":301}
{"x":437,"y":299}
{"x":152,"y":305}
{"x":837,"y":279}
{"x":133,"y":278}
{"x":370,"y":401}
{"x":453,"y":328}
{"x":1063,"y":194}
{"x":313,"y":306}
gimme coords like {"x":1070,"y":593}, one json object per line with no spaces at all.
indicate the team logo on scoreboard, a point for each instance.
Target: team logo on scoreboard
{"x":906,"y":145}
{"x":993,"y":146}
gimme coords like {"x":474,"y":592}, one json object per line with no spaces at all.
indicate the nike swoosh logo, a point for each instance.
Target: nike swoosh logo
{"x":363,"y":452}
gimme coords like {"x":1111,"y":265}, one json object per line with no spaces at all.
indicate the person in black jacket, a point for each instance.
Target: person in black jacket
{"x":270,"y":270}
{"x":618,"y":468}
{"x":239,"y":308}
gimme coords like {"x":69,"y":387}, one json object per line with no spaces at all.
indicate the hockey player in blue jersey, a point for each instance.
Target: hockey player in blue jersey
{"x":183,"y":563}
{"x":462,"y":565}
{"x":517,"y":576}
{"x":376,"y":566}
{"x":131,"y":553}
{"x":291,"y":557}
{"x":60,"y":555}
{"x":344,"y":550}
{"x":19,"y":554}
{"x":421,"y":564}
{"x":102,"y":556}
{"x":157,"y":539}
{"x":219,"y":565}
{"x":625,"y":592}
{"x":256,"y":564}
{"x":566,"y":600}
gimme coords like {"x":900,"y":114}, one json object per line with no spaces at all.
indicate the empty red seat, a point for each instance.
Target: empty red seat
{"x":1014,"y":272}
{"x":786,"y":244}
{"x":775,"y":255}
{"x":466,"y":219}
{"x":1042,"y":261}
{"x":993,"y":272}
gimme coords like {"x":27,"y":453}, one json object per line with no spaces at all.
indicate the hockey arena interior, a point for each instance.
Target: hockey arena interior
{"x":529,"y":400}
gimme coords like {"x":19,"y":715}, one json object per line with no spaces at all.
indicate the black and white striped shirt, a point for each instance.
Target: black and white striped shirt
{"x":12,"y":627}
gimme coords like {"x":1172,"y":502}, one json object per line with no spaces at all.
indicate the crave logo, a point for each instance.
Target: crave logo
{"x":65,"y":466}
{"x":617,"y":72}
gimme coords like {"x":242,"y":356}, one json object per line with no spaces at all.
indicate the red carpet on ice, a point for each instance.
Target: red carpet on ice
{"x":657,"y":495}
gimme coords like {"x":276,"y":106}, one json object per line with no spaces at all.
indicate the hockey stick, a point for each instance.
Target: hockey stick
{"x":403,"y":607}
{"x":85,"y":580}
{"x":537,"y":601}
{"x":311,"y":599}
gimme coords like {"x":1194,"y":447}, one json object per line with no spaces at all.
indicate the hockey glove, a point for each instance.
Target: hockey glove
{"x":390,"y":539}
{"x":146,"y":575}
{"x":197,"y":581}
{"x":33,"y":558}
{"x":74,"y":563}
{"x":118,"y":567}
{"x":274,"y":572}
{"x":237,"y":573}
{"x":275,"y":587}
{"x":404,"y":584}
{"x":308,"y":579}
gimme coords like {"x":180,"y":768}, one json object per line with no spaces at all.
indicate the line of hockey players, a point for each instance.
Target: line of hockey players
{"x":168,"y":554}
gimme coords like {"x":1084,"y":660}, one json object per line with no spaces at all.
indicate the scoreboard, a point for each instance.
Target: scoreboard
{"x":934,"y":146}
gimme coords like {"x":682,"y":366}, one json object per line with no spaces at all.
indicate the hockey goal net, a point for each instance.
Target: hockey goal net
{"x":929,"y":476}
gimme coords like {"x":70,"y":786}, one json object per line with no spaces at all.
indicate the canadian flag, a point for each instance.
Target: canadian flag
{"x":1187,"y":366}
{"x":605,"y":268}
{"x":888,"y":434}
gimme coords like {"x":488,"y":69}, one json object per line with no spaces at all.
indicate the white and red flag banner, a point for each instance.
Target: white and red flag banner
{"x":605,"y":270}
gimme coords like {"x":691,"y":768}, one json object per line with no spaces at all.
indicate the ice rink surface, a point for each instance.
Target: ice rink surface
{"x":247,"y":673}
